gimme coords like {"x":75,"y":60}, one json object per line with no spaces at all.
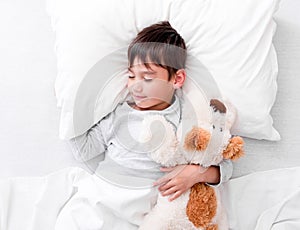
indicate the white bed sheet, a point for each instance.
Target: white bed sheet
{"x":72,"y":197}
{"x":29,"y":118}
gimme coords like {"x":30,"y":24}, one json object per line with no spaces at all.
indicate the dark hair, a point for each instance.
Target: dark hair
{"x":159,"y":44}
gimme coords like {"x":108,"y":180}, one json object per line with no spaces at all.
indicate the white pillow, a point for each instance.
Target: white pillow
{"x":233,"y":39}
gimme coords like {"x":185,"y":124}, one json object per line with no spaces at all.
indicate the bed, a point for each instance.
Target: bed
{"x":30,"y":144}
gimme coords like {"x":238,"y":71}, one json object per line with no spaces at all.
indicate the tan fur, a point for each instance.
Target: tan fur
{"x":212,"y":227}
{"x":202,"y":205}
{"x":234,"y":149}
{"x":196,"y":139}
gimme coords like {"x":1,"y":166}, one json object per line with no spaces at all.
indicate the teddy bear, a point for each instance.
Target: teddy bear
{"x":206,"y":143}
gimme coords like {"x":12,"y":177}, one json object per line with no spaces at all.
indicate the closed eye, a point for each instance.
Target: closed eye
{"x":148,"y":79}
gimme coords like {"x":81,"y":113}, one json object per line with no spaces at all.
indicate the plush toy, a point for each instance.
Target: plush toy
{"x":206,"y":144}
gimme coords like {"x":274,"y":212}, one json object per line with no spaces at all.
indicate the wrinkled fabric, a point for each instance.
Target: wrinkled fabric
{"x":264,"y":200}
{"x":74,"y":199}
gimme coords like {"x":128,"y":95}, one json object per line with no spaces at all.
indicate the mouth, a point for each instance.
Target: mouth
{"x":138,"y":97}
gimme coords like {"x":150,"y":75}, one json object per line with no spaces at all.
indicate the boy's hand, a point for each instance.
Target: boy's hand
{"x":182,"y":177}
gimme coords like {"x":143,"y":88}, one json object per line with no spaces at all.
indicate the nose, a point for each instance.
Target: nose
{"x":137,"y":86}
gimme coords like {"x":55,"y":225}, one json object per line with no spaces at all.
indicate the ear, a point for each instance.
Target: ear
{"x":230,"y":114}
{"x":180,"y":76}
{"x":197,"y":139}
{"x":234,"y":149}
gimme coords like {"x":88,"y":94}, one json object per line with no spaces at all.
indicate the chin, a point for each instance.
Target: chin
{"x":143,"y":106}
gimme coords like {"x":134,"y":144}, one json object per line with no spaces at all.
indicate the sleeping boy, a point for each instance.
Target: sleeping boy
{"x":156,"y":69}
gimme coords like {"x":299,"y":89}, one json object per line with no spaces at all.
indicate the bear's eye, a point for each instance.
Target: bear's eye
{"x":213,"y":126}
{"x":221,"y":129}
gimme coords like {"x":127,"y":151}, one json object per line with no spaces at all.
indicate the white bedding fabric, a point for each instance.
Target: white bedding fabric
{"x":69,"y":199}
{"x":29,"y":143}
{"x":265,"y":200}
{"x":219,"y":37}
{"x":29,"y":125}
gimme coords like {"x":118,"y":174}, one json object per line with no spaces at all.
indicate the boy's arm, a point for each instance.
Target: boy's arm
{"x":181,"y":178}
{"x":224,"y":170}
{"x":89,"y":144}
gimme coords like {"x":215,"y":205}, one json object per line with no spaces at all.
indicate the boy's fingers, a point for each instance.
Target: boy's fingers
{"x":173,"y":171}
{"x":174,"y":196}
{"x":165,"y":186}
{"x":169,"y":191}
{"x":161,"y":181}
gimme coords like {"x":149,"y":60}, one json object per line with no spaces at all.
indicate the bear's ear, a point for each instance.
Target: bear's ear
{"x":234,"y":149}
{"x":225,"y":108}
{"x":197,"y":139}
{"x":230,"y":114}
{"x":218,"y":106}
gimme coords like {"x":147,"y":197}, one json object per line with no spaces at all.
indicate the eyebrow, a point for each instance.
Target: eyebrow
{"x":143,"y":72}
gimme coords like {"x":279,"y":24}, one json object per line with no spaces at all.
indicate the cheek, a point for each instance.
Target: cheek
{"x":162,"y":86}
{"x":129,"y":84}
{"x":151,"y":88}
{"x":158,"y":89}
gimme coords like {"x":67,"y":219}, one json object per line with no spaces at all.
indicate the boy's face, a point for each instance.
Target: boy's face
{"x":150,"y":87}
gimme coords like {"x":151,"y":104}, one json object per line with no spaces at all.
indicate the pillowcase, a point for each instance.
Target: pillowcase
{"x":86,"y":33}
{"x":232,"y":39}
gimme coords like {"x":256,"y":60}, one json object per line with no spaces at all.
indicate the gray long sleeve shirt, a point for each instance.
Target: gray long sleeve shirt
{"x":117,"y":137}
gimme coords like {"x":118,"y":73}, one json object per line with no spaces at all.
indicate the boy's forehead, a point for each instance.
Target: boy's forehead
{"x":141,"y":67}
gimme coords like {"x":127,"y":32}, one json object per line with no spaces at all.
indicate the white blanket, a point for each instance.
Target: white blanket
{"x":264,"y":200}
{"x":69,"y":199}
